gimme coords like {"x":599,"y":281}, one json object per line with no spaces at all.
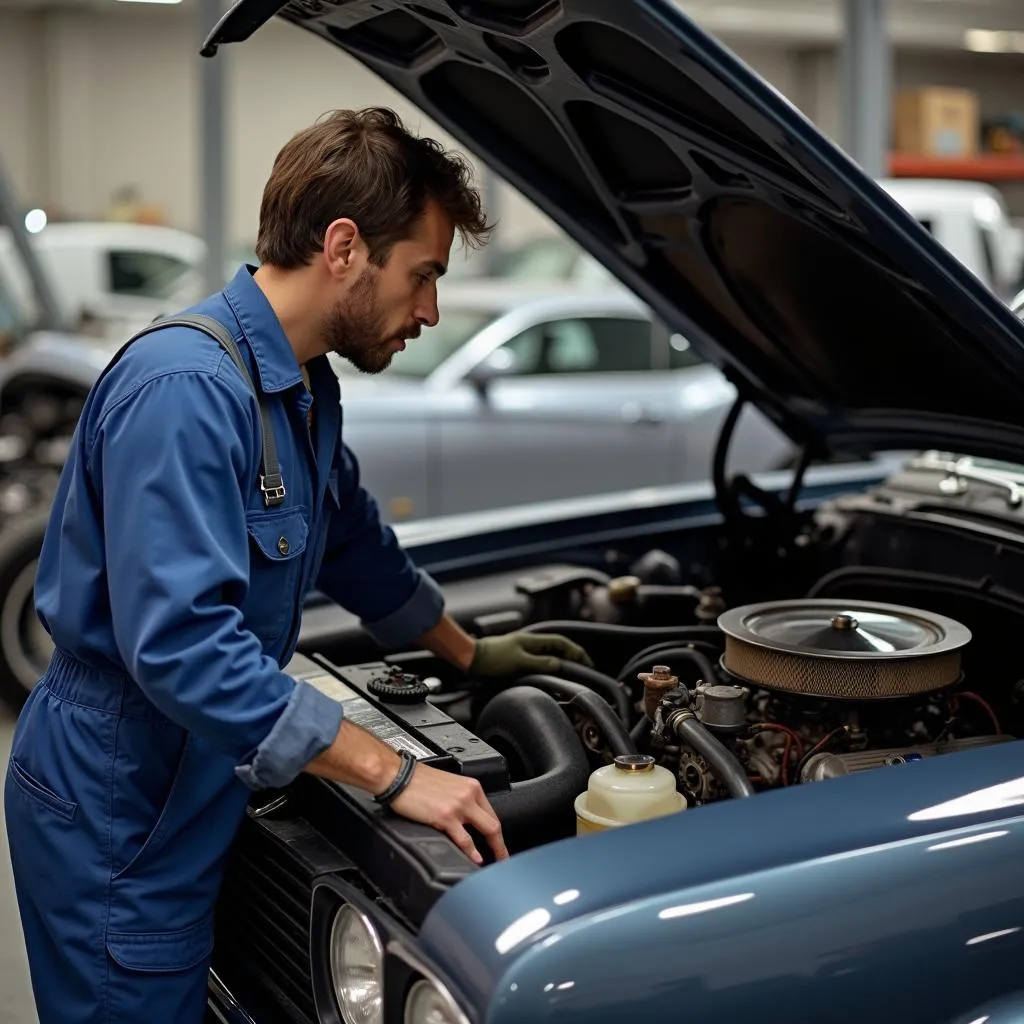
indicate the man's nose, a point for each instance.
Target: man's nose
{"x":427,"y":313}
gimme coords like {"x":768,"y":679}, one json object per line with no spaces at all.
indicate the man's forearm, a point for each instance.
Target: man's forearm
{"x":450,"y":641}
{"x":357,"y":758}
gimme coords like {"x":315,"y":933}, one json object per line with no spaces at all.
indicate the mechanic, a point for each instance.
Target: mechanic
{"x":202,"y":498}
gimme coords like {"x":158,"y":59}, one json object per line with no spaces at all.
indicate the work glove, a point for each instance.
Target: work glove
{"x":517,"y":653}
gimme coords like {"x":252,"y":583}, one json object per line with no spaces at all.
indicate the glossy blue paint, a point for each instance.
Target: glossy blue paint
{"x":838,"y":900}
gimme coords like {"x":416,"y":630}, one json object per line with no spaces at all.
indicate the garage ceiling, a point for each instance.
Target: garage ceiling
{"x":913,"y":23}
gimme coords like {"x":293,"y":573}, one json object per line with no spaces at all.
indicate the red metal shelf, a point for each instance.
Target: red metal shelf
{"x":985,"y":167}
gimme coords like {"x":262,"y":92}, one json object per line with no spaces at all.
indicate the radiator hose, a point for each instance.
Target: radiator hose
{"x":610,"y":689}
{"x":548,"y":765}
{"x":614,"y":729}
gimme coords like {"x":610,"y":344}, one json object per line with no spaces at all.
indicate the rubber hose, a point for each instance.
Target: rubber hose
{"x":612,"y":644}
{"x":586,"y":700}
{"x":529,"y":725}
{"x":566,"y":627}
{"x":649,"y":655}
{"x":723,"y":762}
{"x":699,"y":659}
{"x":611,"y":690}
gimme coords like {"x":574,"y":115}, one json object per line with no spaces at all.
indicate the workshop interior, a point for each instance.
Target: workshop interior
{"x":731,"y":399}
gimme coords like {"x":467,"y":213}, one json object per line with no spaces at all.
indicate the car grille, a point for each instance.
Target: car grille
{"x":263,"y":920}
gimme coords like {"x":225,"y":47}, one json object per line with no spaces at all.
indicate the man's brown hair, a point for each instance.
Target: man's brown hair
{"x":364,"y":165}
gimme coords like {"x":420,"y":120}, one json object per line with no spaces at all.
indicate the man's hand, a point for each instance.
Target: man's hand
{"x":516,"y":653}
{"x":432,"y":797}
{"x":448,"y":803}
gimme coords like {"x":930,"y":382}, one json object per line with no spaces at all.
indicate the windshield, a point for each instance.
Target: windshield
{"x":426,"y":353}
{"x":150,"y":275}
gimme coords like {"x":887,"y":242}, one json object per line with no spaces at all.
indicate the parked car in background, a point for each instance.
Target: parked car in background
{"x":971,"y":220}
{"x":463,"y":420}
{"x":120,"y":274}
{"x":541,"y":260}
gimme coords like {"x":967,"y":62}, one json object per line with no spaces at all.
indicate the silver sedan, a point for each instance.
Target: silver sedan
{"x":522,"y":395}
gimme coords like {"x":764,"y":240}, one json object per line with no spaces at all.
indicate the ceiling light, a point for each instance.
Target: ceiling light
{"x":983,"y":40}
{"x":35,"y":221}
{"x":149,"y":1}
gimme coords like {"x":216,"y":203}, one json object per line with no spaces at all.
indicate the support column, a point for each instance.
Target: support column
{"x":70,"y":112}
{"x":865,"y":84}
{"x":12,"y":213}
{"x":490,"y":193}
{"x":212,"y":147}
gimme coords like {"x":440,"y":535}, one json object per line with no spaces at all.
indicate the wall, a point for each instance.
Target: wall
{"x":21,"y":106}
{"x":132,"y":113}
{"x":93,"y":101}
{"x":135,"y":113}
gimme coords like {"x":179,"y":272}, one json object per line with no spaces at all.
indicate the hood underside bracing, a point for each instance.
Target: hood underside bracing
{"x":713,"y":199}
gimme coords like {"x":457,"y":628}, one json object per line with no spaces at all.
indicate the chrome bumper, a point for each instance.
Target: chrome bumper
{"x":223,"y":1005}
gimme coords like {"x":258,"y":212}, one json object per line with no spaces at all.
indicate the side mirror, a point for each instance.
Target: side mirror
{"x":500,"y":363}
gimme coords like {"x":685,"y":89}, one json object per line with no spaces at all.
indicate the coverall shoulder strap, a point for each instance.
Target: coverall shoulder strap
{"x":271,"y":479}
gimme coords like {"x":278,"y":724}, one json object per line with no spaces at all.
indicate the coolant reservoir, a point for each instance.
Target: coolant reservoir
{"x":631,"y":789}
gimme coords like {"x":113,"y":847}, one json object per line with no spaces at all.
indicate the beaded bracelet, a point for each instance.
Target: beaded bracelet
{"x":400,"y":781}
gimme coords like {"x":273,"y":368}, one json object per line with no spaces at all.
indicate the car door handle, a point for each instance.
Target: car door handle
{"x":639,"y":415}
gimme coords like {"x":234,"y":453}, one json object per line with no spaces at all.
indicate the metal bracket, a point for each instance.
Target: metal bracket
{"x":273,"y":489}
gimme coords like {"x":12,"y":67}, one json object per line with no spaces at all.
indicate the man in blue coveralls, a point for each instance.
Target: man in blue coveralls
{"x":172,"y":575}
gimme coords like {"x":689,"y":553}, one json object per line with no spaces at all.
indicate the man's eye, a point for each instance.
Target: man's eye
{"x":423,"y":279}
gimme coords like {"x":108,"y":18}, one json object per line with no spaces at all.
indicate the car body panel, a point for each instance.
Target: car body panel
{"x":714,"y":200}
{"x":751,"y":907}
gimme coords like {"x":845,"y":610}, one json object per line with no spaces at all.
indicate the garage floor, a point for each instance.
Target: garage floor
{"x":16,"y":1005}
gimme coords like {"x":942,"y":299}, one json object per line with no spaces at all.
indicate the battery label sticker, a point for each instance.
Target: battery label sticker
{"x":362,"y":713}
{"x":332,"y":687}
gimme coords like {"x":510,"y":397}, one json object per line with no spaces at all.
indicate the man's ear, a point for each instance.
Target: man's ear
{"x":342,"y":247}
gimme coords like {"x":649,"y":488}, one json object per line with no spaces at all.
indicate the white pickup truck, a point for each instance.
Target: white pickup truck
{"x":970,"y":219}
{"x":122,"y":275}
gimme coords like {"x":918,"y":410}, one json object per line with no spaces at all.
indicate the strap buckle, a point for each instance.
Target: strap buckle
{"x":272,"y":487}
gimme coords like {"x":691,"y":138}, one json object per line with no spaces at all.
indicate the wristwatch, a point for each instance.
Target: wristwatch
{"x":400,"y":781}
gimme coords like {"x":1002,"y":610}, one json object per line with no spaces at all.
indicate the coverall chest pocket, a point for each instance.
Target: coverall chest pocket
{"x":277,"y":539}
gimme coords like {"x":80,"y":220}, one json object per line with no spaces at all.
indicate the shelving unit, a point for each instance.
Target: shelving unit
{"x":986,"y":167}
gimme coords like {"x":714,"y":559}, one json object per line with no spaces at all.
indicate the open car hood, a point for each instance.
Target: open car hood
{"x":713,"y":199}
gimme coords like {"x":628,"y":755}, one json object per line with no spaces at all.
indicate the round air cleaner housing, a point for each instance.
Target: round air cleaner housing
{"x":839,"y":650}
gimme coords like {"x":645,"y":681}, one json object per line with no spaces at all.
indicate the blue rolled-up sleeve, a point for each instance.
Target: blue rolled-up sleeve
{"x":172,"y":462}
{"x":367,"y":571}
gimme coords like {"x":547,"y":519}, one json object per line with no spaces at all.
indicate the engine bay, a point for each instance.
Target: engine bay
{"x":874,"y":635}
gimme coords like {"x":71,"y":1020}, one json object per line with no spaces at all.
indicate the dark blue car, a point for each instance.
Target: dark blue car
{"x":825,"y":665}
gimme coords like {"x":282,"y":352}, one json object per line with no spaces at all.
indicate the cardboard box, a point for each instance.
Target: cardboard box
{"x":937,"y":122}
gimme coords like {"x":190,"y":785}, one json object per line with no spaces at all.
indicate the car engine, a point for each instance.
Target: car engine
{"x":732,"y":701}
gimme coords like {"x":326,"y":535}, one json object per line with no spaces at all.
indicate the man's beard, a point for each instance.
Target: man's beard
{"x":355,"y":328}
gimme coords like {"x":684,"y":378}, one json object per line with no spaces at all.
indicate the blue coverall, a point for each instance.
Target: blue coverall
{"x":173,"y":596}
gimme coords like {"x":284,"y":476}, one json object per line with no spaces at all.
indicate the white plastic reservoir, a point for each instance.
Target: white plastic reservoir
{"x":631,"y":789}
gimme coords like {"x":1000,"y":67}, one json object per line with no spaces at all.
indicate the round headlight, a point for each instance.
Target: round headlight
{"x":431,"y":1003}
{"x":357,"y":967}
